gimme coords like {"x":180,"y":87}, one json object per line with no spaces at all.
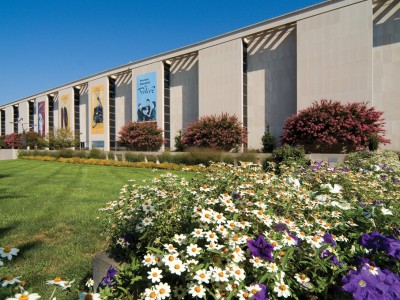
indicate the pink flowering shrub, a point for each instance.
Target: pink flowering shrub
{"x":333,"y":126}
{"x":13,"y":140}
{"x":223,"y":132}
{"x":141,"y":136}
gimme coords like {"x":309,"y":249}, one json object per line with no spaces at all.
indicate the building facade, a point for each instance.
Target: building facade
{"x":346,"y":50}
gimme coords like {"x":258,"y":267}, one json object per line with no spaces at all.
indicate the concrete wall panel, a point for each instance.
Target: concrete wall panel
{"x":386,"y":64}
{"x":271,"y":73}
{"x":84,"y":114}
{"x":220,"y":79}
{"x":334,"y":57}
{"x":184,"y":91}
{"x":123,"y":100}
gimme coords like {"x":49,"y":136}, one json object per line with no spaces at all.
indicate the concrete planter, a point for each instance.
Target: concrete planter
{"x":101,"y":262}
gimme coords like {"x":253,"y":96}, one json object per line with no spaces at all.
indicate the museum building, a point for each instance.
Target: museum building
{"x":345,"y":50}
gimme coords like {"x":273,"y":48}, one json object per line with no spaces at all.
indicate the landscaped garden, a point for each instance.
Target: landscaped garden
{"x":286,"y":228}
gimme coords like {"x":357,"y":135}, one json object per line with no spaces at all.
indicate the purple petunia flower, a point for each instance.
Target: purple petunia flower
{"x":261,"y":295}
{"x":281,"y":227}
{"x":376,"y":242}
{"x":326,"y":253}
{"x":112,"y":271}
{"x":329,"y":239}
{"x":260,"y":248}
{"x":393,"y":281}
{"x":364,"y":285}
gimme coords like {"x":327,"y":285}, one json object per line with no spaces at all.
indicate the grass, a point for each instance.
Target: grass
{"x":49,"y":211}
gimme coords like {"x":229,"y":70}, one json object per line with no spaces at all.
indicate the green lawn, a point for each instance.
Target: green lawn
{"x":49,"y":211}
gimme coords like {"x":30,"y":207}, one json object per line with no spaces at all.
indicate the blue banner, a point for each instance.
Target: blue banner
{"x":146,"y":97}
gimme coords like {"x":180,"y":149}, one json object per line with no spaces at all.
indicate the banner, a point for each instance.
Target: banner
{"x":65,"y":111}
{"x":146,"y":97}
{"x":97,"y":109}
{"x":42,"y":118}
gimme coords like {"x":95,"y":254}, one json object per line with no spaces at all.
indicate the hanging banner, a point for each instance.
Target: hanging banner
{"x":65,"y":111}
{"x":146,"y":97}
{"x":97,"y":109}
{"x":42,"y":118}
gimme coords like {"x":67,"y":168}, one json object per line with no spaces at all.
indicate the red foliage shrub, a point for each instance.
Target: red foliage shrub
{"x":141,"y":136}
{"x":223,"y":132}
{"x":330,"y":126}
{"x":13,"y":140}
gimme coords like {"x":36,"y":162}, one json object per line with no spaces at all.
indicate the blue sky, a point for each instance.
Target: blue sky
{"x":47,"y":43}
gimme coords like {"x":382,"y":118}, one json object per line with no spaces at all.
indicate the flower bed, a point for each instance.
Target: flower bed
{"x":241,"y":233}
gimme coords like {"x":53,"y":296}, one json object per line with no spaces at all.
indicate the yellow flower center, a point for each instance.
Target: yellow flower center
{"x":162,"y":291}
{"x":371,"y":267}
{"x":6,"y":250}
{"x":221,"y":274}
{"x":57,"y":279}
{"x":177,"y":267}
{"x":274,"y":244}
{"x":254,"y":291}
{"x":281,"y":254}
{"x":148,"y":259}
{"x":219,"y":217}
{"x":282,"y":287}
{"x":245,"y":295}
{"x":171,"y":258}
{"x":194,"y":249}
{"x":315,"y":239}
{"x":154,"y":274}
{"x":362,"y":283}
{"x":153,"y":295}
{"x":207,"y":216}
{"x":303,"y":276}
{"x":23,"y":297}
{"x":9,"y":278}
{"x":197,"y":289}
{"x":202,"y":275}
{"x":238,"y":272}
{"x":212,"y":235}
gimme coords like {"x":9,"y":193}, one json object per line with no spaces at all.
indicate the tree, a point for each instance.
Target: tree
{"x":63,"y":138}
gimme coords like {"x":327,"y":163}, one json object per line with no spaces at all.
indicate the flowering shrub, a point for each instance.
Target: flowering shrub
{"x":223,"y":132}
{"x":13,"y":140}
{"x":330,"y":126}
{"x":241,"y":233}
{"x":141,"y":136}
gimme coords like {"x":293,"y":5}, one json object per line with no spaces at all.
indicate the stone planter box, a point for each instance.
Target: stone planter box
{"x":101,"y":262}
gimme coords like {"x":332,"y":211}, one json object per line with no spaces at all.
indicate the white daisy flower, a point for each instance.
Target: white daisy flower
{"x":170,"y":258}
{"x":193,"y":250}
{"x":180,"y":239}
{"x":211,"y":236}
{"x":206,"y":216}
{"x":170,"y":248}
{"x":288,"y":240}
{"x":220,"y":275}
{"x":197,"y":233}
{"x":244,"y":295}
{"x":147,"y":221}
{"x":238,"y":273}
{"x":197,"y":290}
{"x":302,"y":278}
{"x":149,"y":260}
{"x":10,"y":280}
{"x":26,"y":296}
{"x":214,"y":246}
{"x":202,"y":276}
{"x":177,"y":267}
{"x":282,"y":289}
{"x":155,"y":275}
{"x":8,"y":252}
{"x":257,"y":262}
{"x":253,"y":290}
{"x":90,"y":283}
{"x":163,"y":290}
{"x":272,"y":267}
{"x":373,"y":270}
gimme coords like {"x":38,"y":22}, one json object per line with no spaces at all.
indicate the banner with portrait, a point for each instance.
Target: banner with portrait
{"x":42,"y":118}
{"x":65,"y":111}
{"x":146,"y":97}
{"x":97,"y":109}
